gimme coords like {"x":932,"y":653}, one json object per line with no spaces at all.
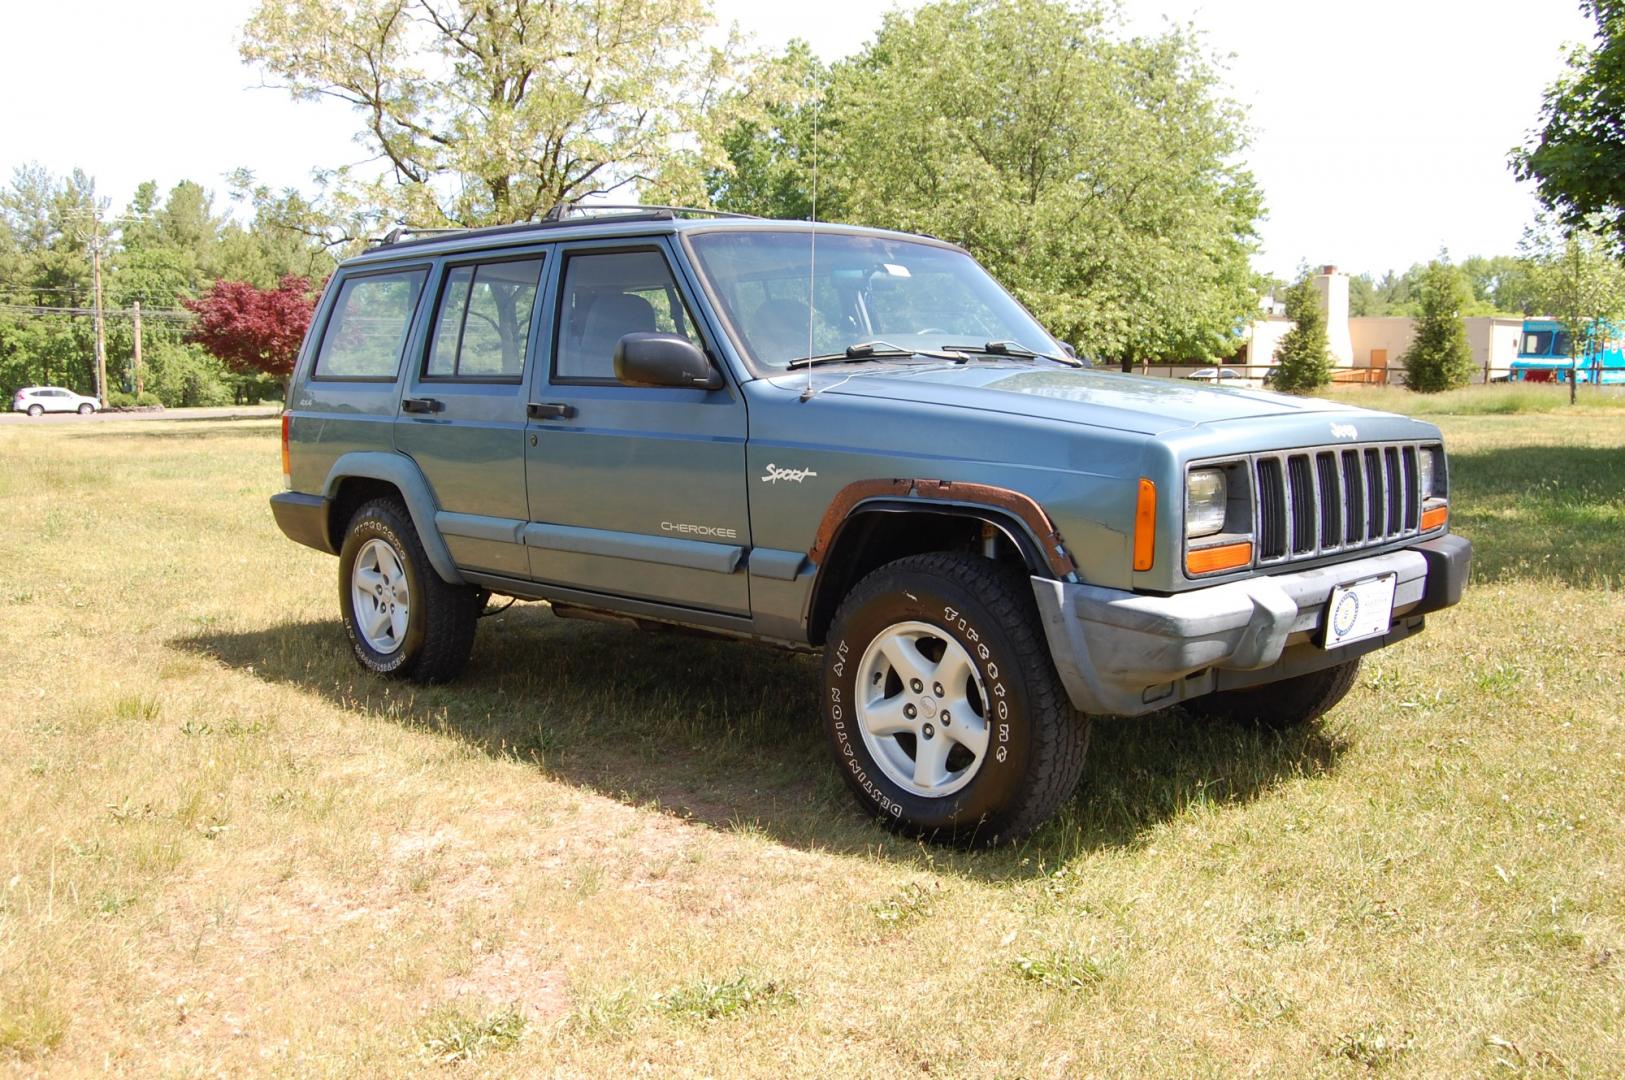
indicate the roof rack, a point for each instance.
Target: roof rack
{"x":561,"y":214}
{"x":399,"y":232}
{"x":564,"y":210}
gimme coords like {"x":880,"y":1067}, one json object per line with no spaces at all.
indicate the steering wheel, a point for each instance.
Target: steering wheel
{"x":930,"y":330}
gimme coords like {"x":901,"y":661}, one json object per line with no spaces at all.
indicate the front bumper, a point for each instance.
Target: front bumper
{"x":1124,"y":654}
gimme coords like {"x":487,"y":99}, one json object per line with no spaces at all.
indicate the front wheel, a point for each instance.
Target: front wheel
{"x":402,"y":618}
{"x":942,"y":706}
{"x":86,"y":409}
{"x":1290,"y":703}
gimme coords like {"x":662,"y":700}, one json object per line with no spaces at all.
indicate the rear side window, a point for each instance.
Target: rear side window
{"x":368,"y":327}
{"x":606,"y":296}
{"x":482,"y":331}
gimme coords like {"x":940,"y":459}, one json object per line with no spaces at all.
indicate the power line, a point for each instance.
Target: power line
{"x":78,"y":312}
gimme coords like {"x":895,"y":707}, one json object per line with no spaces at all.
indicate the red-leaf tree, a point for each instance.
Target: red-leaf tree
{"x":252,"y":329}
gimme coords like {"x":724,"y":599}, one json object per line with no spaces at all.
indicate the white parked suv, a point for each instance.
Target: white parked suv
{"x":35,"y":400}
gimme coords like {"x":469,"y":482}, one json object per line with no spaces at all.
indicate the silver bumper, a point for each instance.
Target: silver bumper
{"x":1122,"y":653}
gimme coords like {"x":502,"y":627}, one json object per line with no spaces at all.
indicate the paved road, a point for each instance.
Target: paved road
{"x":237,"y":412}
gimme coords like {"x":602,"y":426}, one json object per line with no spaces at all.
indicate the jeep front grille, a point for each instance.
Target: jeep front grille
{"x":1324,"y":500}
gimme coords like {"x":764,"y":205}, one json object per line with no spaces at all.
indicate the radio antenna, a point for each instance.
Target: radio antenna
{"x":812,"y":252}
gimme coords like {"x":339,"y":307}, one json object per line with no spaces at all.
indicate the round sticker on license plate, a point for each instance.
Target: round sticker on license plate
{"x":1360,"y":610}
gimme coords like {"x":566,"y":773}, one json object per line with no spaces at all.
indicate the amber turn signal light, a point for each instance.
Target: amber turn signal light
{"x":1222,"y":557}
{"x":287,"y":458}
{"x":1432,"y":519}
{"x":1145,"y":526}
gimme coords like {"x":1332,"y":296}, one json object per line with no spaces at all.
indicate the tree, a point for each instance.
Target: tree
{"x":1438,"y":357}
{"x":251,"y":329}
{"x":1303,"y":359}
{"x":1577,"y":159}
{"x":1578,"y":280}
{"x":765,"y":162}
{"x":1095,"y":174}
{"x":494,"y":112}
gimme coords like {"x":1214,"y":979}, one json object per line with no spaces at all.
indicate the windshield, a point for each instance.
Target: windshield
{"x":863,"y":289}
{"x":1545,"y":343}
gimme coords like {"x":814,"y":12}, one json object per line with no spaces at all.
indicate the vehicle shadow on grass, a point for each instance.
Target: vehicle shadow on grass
{"x":1542,"y":511}
{"x":729,"y":736}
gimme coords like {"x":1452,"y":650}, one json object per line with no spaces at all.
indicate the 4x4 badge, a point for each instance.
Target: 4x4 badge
{"x":774,"y":474}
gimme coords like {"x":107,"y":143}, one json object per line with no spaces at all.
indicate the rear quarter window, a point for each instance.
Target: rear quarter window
{"x":366,"y":333}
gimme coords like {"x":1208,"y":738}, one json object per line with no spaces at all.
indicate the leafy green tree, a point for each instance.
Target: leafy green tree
{"x":1438,"y":357}
{"x":1095,"y":174}
{"x":1303,"y":358}
{"x":1577,"y":157}
{"x":1501,"y":284}
{"x":766,"y":155}
{"x":1578,"y":279}
{"x":496,"y":111}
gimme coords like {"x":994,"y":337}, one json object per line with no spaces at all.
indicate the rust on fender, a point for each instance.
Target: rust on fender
{"x":946,"y":491}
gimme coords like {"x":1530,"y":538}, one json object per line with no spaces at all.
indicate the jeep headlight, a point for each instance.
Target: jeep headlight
{"x":1205,"y":498}
{"x":1427,"y":469}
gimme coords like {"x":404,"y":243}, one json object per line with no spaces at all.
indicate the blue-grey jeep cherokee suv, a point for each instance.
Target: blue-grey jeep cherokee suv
{"x":852,"y":440}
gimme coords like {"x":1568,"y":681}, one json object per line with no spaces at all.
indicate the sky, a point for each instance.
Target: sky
{"x":1380,"y":129}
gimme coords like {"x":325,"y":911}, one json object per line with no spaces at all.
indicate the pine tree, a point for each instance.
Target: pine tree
{"x":1303,"y":359}
{"x":1439,"y":358}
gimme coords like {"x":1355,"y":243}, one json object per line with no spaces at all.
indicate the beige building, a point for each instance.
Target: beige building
{"x":1368,"y":344}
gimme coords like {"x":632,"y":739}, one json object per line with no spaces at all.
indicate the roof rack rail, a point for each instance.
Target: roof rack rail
{"x":561,"y":214}
{"x":562,"y":210}
{"x":395,"y":235}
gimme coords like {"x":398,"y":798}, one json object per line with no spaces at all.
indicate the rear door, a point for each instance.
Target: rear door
{"x":462,"y":412}
{"x":634,"y":491}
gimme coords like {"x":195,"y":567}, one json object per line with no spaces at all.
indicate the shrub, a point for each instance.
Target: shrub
{"x":184,"y":375}
{"x":1303,"y":359}
{"x":1439,"y":358}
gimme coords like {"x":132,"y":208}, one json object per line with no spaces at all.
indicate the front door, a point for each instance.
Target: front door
{"x":462,"y":415}
{"x":634,"y":491}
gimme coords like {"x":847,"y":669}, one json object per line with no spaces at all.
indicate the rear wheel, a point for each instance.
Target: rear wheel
{"x":36,"y":410}
{"x":403,"y":620}
{"x":1289,"y":703}
{"x":941,"y":705}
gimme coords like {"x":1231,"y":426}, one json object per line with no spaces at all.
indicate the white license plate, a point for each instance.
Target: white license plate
{"x":1361,"y":610}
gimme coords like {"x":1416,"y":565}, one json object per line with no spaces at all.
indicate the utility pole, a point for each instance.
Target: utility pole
{"x":101,"y":329}
{"x":135,"y":359}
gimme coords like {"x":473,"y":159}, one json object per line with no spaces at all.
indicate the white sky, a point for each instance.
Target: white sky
{"x":1381,"y":126}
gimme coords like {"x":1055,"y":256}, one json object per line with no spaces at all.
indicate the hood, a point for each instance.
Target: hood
{"x":1149,"y":406}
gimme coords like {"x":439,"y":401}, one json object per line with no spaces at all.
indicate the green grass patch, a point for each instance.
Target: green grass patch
{"x":1497,"y":399}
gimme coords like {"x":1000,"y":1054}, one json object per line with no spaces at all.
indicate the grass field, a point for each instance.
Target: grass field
{"x":225,"y":850}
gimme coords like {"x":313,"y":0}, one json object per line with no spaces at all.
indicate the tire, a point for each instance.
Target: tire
{"x":36,"y":410}
{"x":1282,"y":705}
{"x":936,"y":614}
{"x":431,"y":641}
{"x":86,"y":409}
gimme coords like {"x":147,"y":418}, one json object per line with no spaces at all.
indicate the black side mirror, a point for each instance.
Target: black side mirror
{"x":664,"y":360}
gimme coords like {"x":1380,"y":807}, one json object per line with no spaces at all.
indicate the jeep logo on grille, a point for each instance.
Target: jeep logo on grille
{"x":1344,"y":431}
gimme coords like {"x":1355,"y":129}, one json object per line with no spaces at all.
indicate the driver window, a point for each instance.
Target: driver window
{"x":606,"y":296}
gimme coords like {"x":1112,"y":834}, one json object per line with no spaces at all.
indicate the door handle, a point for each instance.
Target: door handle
{"x":422,"y":405}
{"x":550,"y":410}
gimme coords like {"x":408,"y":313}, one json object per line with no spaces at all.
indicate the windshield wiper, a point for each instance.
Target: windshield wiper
{"x":1011,"y":348}
{"x":866,"y":350}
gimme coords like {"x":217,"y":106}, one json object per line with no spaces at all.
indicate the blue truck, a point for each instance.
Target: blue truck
{"x":855,"y":441}
{"x":1546,"y":353}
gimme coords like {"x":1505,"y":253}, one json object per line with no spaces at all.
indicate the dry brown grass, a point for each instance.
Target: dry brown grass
{"x":223,"y":849}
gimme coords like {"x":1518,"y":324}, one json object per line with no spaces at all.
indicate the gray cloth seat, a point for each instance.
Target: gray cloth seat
{"x":778,"y":330}
{"x":611,"y":316}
